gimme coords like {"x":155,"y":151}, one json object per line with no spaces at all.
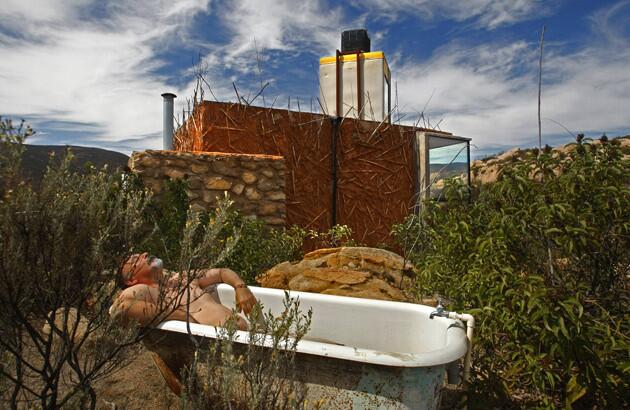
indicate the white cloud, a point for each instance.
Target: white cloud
{"x":94,"y":64}
{"x":489,"y":92}
{"x":489,"y":14}
{"x":15,"y":13}
{"x":97,"y":71}
{"x":282,"y":25}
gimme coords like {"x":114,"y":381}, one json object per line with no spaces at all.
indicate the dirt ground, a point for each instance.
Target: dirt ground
{"x":138,"y":385}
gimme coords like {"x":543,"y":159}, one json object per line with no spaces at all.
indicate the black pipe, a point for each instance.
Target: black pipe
{"x":335,"y":122}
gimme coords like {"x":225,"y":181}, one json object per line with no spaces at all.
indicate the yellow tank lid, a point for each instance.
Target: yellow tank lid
{"x":372,"y":55}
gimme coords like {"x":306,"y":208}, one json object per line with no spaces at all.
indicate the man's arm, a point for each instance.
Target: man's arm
{"x":220,"y":275}
{"x":245,"y":299}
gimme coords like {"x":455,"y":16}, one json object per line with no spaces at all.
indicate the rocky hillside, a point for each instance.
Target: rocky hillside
{"x":486,"y":170}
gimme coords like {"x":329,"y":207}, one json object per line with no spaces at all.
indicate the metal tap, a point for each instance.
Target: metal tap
{"x":439,"y":310}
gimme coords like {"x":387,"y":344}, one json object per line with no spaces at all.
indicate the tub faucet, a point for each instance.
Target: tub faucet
{"x":439,"y":311}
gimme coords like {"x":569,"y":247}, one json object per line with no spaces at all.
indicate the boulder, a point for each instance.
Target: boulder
{"x":347,"y":271}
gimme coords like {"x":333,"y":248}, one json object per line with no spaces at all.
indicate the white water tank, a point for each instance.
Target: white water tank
{"x":365,"y":94}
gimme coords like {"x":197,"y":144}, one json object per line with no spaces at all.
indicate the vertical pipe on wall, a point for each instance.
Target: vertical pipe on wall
{"x":167,"y":120}
{"x":338,"y":93}
{"x":359,"y":88}
{"x":336,"y":122}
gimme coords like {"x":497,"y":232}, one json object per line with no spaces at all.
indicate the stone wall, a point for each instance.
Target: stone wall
{"x":254,"y":182}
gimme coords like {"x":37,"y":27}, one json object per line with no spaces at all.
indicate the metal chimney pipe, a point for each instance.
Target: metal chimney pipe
{"x":167,"y":120}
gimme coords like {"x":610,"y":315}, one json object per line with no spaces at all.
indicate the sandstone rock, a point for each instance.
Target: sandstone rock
{"x":267,"y":208}
{"x":509,"y":154}
{"x":276,"y":196}
{"x":274,"y":220}
{"x":305,"y":284}
{"x":199,"y":168}
{"x":238,"y":188}
{"x":218,"y":183}
{"x":174,"y":173}
{"x":147,"y":172}
{"x":227,"y":168}
{"x":249,"y":165}
{"x":249,"y":177}
{"x":139,"y":160}
{"x":194,"y":183}
{"x":343,"y":276}
{"x":153,"y":184}
{"x":178,"y":163}
{"x":347,"y":271}
{"x":268,"y":173}
{"x":265,"y":185}
{"x":252,"y":194}
{"x":210,"y":197}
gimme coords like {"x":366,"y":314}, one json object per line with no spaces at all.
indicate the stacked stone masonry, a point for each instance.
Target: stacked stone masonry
{"x":254,"y":182}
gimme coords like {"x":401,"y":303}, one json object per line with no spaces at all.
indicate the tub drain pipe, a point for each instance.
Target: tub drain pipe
{"x":469,"y":321}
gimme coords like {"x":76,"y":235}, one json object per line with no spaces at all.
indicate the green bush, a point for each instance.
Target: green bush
{"x":11,"y":149}
{"x":60,"y":249}
{"x":259,"y":374}
{"x":167,"y":213}
{"x":541,"y":259}
{"x":258,"y":248}
{"x":62,"y":245}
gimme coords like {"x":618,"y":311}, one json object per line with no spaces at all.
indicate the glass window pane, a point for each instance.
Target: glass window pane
{"x":446,"y":160}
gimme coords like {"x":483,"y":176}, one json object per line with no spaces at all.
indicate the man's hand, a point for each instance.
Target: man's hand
{"x":245,"y":300}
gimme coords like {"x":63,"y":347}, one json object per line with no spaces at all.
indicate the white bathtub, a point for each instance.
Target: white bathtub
{"x":381,"y":354}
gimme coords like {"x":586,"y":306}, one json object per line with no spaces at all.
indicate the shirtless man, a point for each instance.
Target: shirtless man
{"x":144,"y":277}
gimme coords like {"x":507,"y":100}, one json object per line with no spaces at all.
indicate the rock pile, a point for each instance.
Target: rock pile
{"x":347,"y":271}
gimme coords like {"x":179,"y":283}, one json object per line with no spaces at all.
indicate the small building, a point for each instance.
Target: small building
{"x":357,"y":168}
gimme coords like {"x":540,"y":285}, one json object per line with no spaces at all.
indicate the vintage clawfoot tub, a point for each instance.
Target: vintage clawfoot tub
{"x":381,"y":354}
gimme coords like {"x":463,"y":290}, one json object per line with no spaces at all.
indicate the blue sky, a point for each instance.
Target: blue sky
{"x":89,"y":72}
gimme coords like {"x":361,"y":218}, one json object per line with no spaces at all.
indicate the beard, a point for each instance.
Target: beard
{"x":155,"y":263}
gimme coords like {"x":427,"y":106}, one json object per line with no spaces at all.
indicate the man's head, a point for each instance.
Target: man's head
{"x":142,"y":268}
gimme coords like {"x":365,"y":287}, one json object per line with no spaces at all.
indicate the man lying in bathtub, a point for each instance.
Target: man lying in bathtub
{"x":143,"y":277}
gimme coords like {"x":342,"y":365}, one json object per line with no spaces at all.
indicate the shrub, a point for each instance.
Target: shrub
{"x":11,"y":149}
{"x":259,"y":247}
{"x":541,"y":258}
{"x":167,"y":212}
{"x":61,"y":248}
{"x":260,"y":374}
